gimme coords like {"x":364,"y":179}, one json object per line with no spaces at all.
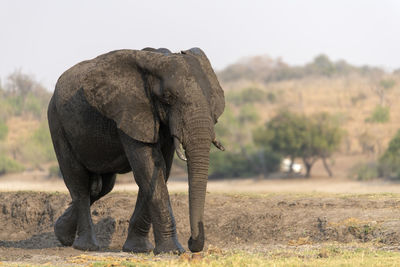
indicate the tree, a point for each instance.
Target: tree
{"x":322,"y":65}
{"x":284,"y":134}
{"x":298,"y":136}
{"x":322,"y":138}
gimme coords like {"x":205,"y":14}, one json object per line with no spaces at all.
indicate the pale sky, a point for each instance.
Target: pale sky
{"x":44,"y":38}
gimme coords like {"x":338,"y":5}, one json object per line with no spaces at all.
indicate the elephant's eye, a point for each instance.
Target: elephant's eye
{"x":168,"y":98}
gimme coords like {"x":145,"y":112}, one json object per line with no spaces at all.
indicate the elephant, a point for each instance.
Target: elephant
{"x":130,"y":110}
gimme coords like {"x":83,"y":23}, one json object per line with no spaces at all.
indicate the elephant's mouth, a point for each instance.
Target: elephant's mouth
{"x":181,"y":153}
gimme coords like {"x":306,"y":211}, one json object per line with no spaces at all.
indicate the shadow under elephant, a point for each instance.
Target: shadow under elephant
{"x":104,"y":229}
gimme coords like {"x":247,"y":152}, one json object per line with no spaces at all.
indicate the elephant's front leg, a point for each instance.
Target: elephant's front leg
{"x":149,"y":169}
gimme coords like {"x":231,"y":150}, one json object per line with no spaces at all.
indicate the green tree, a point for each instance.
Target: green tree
{"x":323,"y":137}
{"x":285,"y":134}
{"x":298,"y":136}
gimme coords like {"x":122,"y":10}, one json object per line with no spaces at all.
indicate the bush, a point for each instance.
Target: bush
{"x":228,"y":164}
{"x":8,"y":165}
{"x":365,"y":171}
{"x":387,"y":83}
{"x":380,"y":114}
{"x":389,"y":162}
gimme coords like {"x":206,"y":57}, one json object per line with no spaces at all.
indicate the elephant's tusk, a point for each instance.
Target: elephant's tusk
{"x":179,"y":149}
{"x":218,"y":145}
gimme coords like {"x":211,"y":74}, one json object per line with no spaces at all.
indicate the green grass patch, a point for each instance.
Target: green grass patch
{"x":329,"y":255}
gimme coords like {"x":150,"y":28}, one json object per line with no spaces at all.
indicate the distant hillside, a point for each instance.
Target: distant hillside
{"x":356,"y":96}
{"x":264,"y":69}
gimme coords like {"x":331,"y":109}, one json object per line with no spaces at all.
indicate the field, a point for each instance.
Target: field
{"x":248,"y":222}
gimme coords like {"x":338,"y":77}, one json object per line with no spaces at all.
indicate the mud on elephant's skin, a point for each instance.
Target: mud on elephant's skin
{"x":129,"y":110}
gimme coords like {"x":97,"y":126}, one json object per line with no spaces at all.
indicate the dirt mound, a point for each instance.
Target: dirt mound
{"x":27,"y":218}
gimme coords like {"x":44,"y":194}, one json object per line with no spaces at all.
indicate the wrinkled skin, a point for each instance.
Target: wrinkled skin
{"x":129,"y":110}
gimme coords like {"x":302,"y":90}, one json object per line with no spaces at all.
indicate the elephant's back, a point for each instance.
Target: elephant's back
{"x":72,"y":80}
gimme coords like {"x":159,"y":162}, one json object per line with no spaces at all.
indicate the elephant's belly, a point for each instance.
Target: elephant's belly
{"x":93,"y":137}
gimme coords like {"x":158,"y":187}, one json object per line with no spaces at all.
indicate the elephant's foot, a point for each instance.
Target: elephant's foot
{"x":65,"y":227}
{"x":138,"y":244}
{"x":170,"y":245}
{"x":86,"y":241}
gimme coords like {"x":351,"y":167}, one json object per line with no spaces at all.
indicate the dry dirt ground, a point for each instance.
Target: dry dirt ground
{"x":247,"y":222}
{"x":248,"y":215}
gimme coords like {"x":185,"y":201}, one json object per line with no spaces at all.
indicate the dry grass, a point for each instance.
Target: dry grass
{"x":20,"y":128}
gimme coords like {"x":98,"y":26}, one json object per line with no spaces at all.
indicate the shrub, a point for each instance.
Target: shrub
{"x":228,"y":164}
{"x":380,"y":114}
{"x":387,"y":83}
{"x":8,"y":165}
{"x":389,"y":162}
{"x":365,"y":171}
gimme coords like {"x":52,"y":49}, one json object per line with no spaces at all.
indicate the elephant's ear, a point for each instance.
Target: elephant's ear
{"x":117,"y":86}
{"x":217,"y":99}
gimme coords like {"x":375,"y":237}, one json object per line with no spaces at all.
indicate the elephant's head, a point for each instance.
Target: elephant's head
{"x":192,"y":100}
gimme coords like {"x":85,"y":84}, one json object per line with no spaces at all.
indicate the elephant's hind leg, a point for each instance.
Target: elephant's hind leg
{"x":66,"y":226}
{"x":77,"y":217}
{"x":77,"y":179}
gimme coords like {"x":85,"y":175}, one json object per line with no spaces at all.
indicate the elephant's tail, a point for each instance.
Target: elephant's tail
{"x":96,"y":184}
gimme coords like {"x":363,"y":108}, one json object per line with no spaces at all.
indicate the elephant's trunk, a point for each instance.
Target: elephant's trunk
{"x":197,"y":152}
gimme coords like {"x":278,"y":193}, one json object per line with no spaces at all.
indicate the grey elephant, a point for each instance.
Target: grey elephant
{"x":129,"y":110}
